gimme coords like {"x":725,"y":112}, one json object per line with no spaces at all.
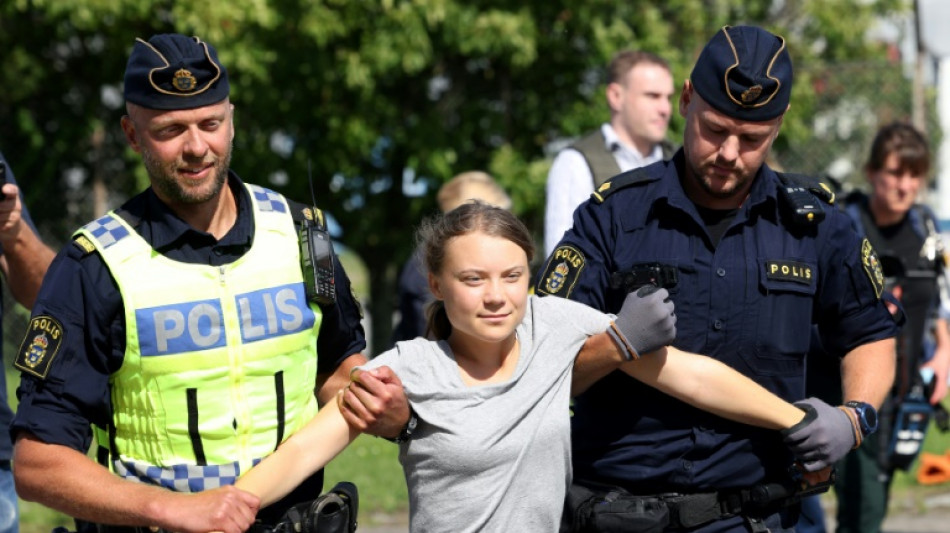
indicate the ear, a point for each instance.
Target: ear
{"x":128,"y":127}
{"x":614,"y":95}
{"x":434,"y":286}
{"x":232,"y":122}
{"x":686,"y":96}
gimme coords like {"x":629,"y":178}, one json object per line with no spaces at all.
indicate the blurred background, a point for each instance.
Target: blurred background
{"x":378,"y":102}
{"x":386,"y":99}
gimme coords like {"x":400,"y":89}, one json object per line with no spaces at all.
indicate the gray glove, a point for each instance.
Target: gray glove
{"x":824,"y":436}
{"x":645,"y":323}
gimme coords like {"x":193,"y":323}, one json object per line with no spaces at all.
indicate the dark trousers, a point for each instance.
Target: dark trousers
{"x":863,"y":489}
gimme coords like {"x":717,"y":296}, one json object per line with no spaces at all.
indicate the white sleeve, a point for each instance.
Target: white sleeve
{"x":569,"y":184}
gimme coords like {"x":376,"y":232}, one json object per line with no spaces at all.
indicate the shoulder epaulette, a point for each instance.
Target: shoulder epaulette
{"x":815,"y":185}
{"x":83,"y":244}
{"x":630,"y":178}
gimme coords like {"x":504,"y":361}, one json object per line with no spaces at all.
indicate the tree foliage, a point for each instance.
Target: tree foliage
{"x":383,"y":100}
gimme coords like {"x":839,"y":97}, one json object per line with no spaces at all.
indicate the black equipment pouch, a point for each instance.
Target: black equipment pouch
{"x":911,"y":418}
{"x":332,"y":512}
{"x":612,"y":511}
{"x":316,"y":259}
{"x":641,"y":274}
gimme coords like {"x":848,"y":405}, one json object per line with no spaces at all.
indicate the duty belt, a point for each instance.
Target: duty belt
{"x":685,"y":511}
{"x":692,"y":510}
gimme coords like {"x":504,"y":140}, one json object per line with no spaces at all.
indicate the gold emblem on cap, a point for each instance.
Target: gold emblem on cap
{"x":184,"y":80}
{"x":747,"y":98}
{"x":750,"y":94}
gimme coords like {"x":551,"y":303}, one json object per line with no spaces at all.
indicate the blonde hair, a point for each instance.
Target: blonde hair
{"x":472,"y":185}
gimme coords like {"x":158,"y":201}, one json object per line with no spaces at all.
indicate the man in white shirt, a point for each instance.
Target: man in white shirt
{"x":639,"y":93}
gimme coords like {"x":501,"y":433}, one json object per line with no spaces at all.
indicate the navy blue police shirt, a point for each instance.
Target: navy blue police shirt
{"x":80,"y":294}
{"x":748,"y":301}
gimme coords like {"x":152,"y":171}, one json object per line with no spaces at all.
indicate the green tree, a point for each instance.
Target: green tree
{"x":377,"y":97}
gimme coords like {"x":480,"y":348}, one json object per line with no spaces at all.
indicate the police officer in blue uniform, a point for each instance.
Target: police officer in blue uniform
{"x":751,"y":260}
{"x":98,"y":352}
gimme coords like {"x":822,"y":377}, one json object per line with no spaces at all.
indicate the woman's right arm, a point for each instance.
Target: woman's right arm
{"x":305,"y":452}
{"x":713,"y":386}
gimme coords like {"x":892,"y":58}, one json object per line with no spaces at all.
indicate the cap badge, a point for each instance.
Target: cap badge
{"x":751,"y":94}
{"x":184,"y":80}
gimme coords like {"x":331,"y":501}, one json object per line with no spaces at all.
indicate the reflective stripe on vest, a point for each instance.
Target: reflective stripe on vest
{"x":220,"y":363}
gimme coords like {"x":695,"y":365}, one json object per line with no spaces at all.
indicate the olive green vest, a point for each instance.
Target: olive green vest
{"x":600,"y":160}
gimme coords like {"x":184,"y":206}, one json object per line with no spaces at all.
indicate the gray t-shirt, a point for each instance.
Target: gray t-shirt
{"x":493,"y":457}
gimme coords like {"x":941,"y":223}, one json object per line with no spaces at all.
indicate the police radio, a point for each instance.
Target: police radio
{"x":805,"y":207}
{"x":316,"y":255}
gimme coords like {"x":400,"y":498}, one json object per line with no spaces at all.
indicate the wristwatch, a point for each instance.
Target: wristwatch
{"x":867,"y":416}
{"x":407,"y":430}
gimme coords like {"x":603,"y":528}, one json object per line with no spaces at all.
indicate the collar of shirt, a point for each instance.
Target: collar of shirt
{"x":627,"y":156}
{"x":173,"y":237}
{"x":670,"y":187}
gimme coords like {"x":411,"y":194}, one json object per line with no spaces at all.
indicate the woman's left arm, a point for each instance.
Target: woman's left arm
{"x":306,"y":451}
{"x":713,"y":386}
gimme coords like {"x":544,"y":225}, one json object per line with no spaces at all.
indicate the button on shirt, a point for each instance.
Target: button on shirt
{"x":80,"y":293}
{"x":731,"y":306}
{"x":570,"y":182}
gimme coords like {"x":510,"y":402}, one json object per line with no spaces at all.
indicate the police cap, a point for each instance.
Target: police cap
{"x":744,"y":72}
{"x":172,"y":71}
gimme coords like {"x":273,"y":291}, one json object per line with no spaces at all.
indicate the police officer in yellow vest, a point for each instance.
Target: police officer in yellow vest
{"x":181,"y":328}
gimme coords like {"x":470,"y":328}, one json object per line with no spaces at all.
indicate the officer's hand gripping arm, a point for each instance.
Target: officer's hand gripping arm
{"x":646,"y":322}
{"x":824,"y":436}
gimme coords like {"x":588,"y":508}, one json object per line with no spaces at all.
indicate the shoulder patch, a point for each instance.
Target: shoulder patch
{"x":872,"y":267}
{"x":561,"y":273}
{"x":622,"y":181}
{"x":83,"y":243}
{"x":43,"y":338}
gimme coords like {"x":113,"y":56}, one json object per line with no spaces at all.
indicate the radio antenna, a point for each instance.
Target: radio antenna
{"x":313,"y":197}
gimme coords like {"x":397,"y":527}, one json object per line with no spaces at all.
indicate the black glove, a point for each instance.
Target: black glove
{"x":824,"y":436}
{"x":645,"y":323}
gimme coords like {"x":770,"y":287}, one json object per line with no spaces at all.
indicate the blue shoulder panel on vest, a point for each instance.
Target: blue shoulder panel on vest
{"x":107,"y":230}
{"x":268,"y":200}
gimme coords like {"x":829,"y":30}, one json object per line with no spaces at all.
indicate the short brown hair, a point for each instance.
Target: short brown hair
{"x":624,"y":61}
{"x":907,"y":142}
